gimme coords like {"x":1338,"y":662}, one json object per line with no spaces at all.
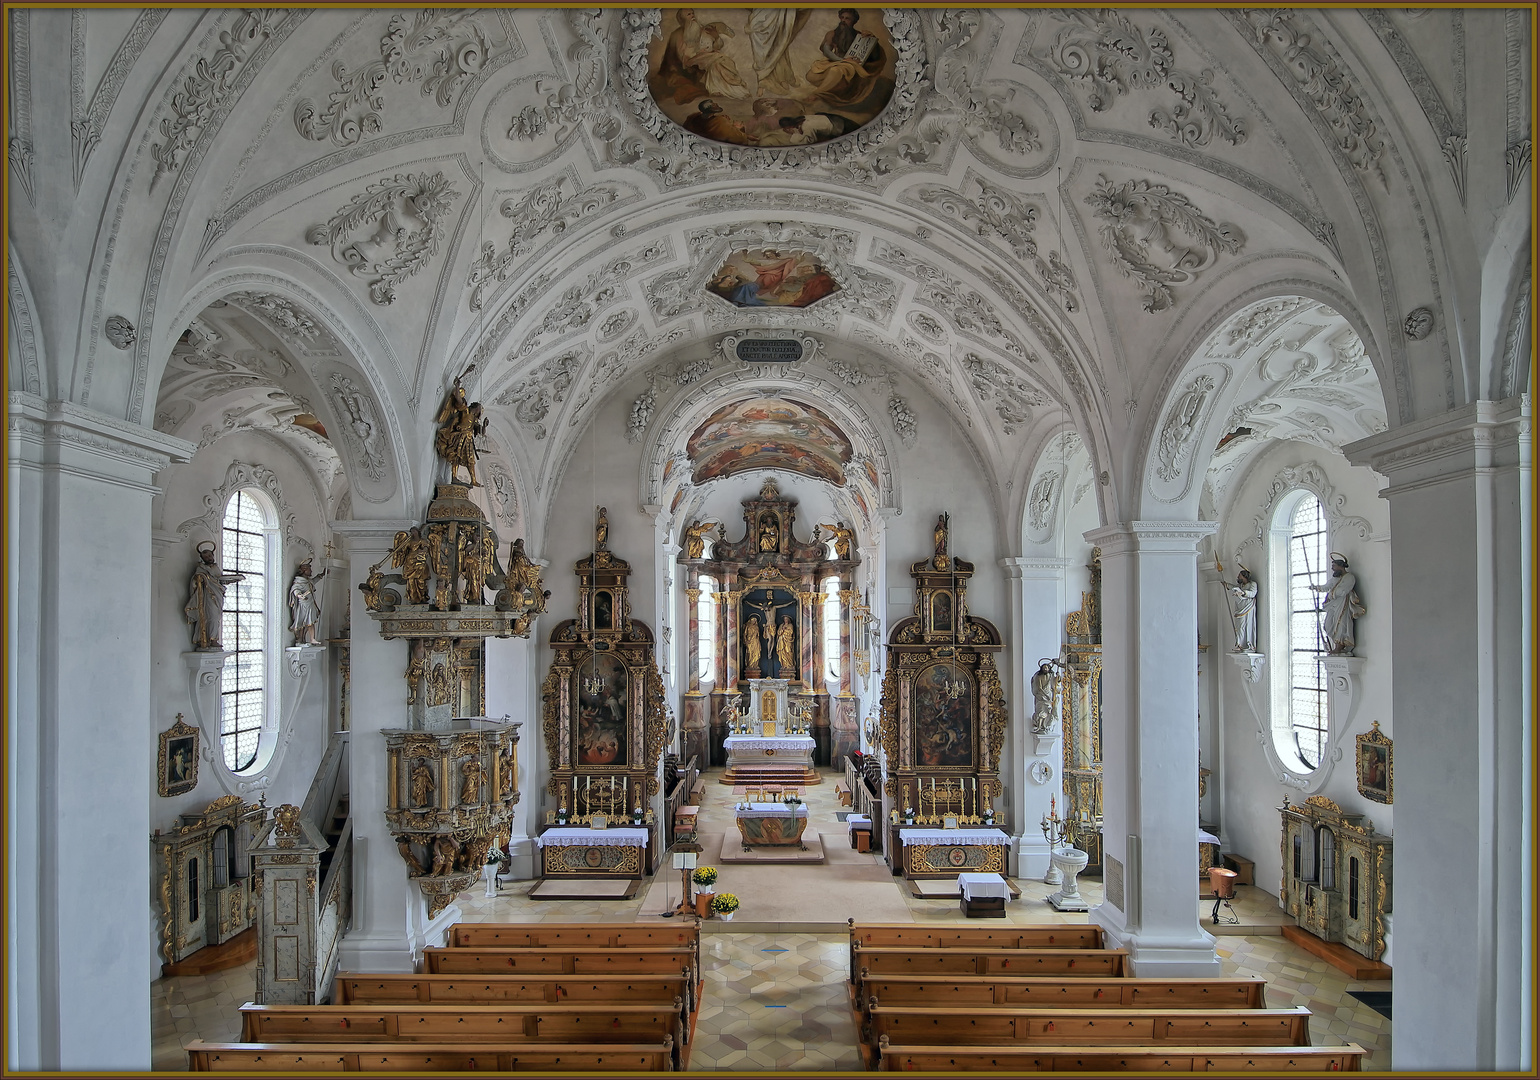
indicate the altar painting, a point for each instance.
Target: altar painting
{"x":943,"y":724}
{"x":769,"y":433}
{"x":772,"y":277}
{"x":601,"y":732}
{"x":772,"y":647}
{"x":771,"y":77}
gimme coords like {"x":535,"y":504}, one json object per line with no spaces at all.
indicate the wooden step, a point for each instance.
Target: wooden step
{"x":241,"y":949}
{"x":1337,"y":955}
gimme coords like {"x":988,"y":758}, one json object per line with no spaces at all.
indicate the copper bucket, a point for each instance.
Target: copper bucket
{"x":1222,"y":882}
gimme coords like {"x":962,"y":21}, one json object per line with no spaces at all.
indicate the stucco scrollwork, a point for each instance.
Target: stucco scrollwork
{"x":1311,"y":477}
{"x":904,"y":425}
{"x":1139,"y":214}
{"x":407,"y":212}
{"x":205,"y":93}
{"x":966,"y":308}
{"x":361,"y":428}
{"x":1108,"y":53}
{"x":443,"y":48}
{"x":533,"y":397}
{"x":1013,"y":396}
{"x":241,"y":474}
{"x":1418,"y":323}
{"x":120,"y":332}
{"x":553,"y":207}
{"x":291,"y":323}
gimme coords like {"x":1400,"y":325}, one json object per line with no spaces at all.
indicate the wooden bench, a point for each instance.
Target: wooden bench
{"x":1006,"y":963}
{"x":916,"y":1025}
{"x":490,"y":1025}
{"x":543,"y":960}
{"x":525,"y":989}
{"x":1230,"y":1059}
{"x":575,"y":935}
{"x":842,"y":793}
{"x":427,"y":1057}
{"x":1074,"y":993}
{"x":911,"y":936}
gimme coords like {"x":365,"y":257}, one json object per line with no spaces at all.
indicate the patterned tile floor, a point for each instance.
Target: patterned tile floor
{"x":775,"y":994}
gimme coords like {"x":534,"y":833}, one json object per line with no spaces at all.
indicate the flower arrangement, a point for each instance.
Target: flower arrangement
{"x":495,"y":856}
{"x":705,"y":875}
{"x":725,"y":903}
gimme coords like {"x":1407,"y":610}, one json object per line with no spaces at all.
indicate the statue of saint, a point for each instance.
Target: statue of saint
{"x":472,"y":568}
{"x":751,"y":643}
{"x":841,"y":537}
{"x":421,"y":781}
{"x":206,"y":606}
{"x":410,"y":554}
{"x":602,"y":530}
{"x":769,"y":534}
{"x":304,"y":604}
{"x":445,"y":852}
{"x":377,"y":597}
{"x":414,"y":867}
{"x":1340,"y":608}
{"x":416,"y":669}
{"x":1244,"y":610}
{"x":784,"y":645}
{"x":1042,"y":699}
{"x":439,"y":690}
{"x":470,"y":790}
{"x":941,"y":539}
{"x":695,"y":538}
{"x":456,"y":439}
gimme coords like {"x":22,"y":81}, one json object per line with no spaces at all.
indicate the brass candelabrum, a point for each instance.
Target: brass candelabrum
{"x":1056,"y":830}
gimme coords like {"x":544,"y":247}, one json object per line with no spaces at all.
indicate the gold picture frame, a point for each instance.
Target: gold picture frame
{"x":176,"y":766}
{"x":599,"y":822}
{"x":1376,"y":766}
{"x":949,"y":822}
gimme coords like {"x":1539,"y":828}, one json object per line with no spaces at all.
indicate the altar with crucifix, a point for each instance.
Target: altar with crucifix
{"x":943,"y":726}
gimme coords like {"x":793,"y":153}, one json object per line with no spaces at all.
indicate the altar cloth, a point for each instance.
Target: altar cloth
{"x":579,"y":837}
{"x":912,"y":837}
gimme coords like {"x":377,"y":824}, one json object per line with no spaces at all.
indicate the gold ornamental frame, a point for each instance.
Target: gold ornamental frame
{"x":179,"y":747}
{"x":1376,"y":766}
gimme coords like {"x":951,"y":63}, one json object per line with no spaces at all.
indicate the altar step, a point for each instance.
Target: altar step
{"x":760,"y":775}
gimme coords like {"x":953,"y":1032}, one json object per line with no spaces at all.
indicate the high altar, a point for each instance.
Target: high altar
{"x":769,"y":589}
{"x":943,"y":726}
{"x":768,"y":746}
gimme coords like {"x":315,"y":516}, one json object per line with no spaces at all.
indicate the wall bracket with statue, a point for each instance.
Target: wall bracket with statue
{"x":605,"y":711}
{"x":943,"y":710}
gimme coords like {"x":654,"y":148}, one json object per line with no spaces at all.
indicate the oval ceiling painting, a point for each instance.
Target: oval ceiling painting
{"x":769,"y":433}
{"x":771,"y":76}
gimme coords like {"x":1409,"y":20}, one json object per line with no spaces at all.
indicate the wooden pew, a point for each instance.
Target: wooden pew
{"x":527,"y":989}
{"x":427,"y":1057}
{"x":911,"y":936}
{"x":998,"y":1025}
{"x":648,"y":960}
{"x":575,"y":935}
{"x":483,"y":1024}
{"x":1050,"y":992}
{"x":1004,"y":963}
{"x":1229,"y":1059}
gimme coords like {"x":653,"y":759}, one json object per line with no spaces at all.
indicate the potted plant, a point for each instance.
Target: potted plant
{"x":704,"y":877}
{"x":724,"y":904}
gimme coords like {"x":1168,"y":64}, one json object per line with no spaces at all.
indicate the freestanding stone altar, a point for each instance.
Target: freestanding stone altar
{"x":768,"y":745}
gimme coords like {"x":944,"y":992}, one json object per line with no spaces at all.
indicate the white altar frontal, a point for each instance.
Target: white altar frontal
{"x":763,"y":749}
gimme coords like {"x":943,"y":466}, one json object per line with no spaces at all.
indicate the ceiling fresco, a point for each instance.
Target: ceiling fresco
{"x":771,"y":76}
{"x":770,"y":277}
{"x":769,"y":433}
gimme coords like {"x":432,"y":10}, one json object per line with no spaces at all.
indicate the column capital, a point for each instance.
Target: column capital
{"x":1481,"y":435}
{"x":67,"y":436}
{"x":1033,"y":567}
{"x":372,"y":535}
{"x":1151,"y":536}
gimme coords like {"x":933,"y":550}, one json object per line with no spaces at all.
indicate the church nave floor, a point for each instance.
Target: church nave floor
{"x":775,"y":994}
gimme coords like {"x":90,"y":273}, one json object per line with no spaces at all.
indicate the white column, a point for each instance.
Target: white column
{"x":1460,"y":595}
{"x":1150,"y":746}
{"x":513,"y":688}
{"x":80,"y":754}
{"x":1036,"y":598}
{"x":378,"y":939}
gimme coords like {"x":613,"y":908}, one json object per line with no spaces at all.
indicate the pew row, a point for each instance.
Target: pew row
{"x":484,"y":1024}
{"x":427,"y":1057}
{"x":574,"y":935}
{"x":910,"y":936}
{"x":1064,"y":992}
{"x":529,"y":989}
{"x":1229,"y":1059}
{"x":913,"y":1025}
{"x":645,"y":960}
{"x":1006,"y":963}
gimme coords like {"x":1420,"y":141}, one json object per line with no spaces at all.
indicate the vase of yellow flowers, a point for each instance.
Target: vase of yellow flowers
{"x":725,"y":904}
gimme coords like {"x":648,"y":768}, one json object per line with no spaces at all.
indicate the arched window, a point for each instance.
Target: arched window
{"x":1303,"y":742}
{"x":831,"y":628}
{"x":246,"y":690}
{"x":706,"y":626}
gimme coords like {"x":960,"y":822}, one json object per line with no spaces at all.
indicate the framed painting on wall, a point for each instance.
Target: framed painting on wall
{"x":177,"y":762}
{"x":1376,"y":766}
{"x":602,"y":695}
{"x":944,"y":720}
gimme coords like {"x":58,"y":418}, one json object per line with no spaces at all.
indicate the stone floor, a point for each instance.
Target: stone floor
{"x":775,"y":976}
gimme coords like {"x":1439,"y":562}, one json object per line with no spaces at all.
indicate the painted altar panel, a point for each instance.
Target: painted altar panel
{"x":603,"y":712}
{"x":943,"y":723}
{"x":771,"y":637}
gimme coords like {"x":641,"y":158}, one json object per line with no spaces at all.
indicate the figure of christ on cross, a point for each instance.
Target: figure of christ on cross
{"x":767,"y":609}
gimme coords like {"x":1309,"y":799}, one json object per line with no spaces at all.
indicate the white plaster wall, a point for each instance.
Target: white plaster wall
{"x":184,"y":488}
{"x":1251,"y":792}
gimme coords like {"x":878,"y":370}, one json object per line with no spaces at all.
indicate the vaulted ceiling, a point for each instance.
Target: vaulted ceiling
{"x":314,"y":220}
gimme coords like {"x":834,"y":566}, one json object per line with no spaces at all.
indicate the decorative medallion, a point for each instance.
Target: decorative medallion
{"x":771,"y":76}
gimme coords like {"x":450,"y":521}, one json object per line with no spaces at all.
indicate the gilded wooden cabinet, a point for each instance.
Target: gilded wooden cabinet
{"x":1337,"y":880}
{"x":202,"y":877}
